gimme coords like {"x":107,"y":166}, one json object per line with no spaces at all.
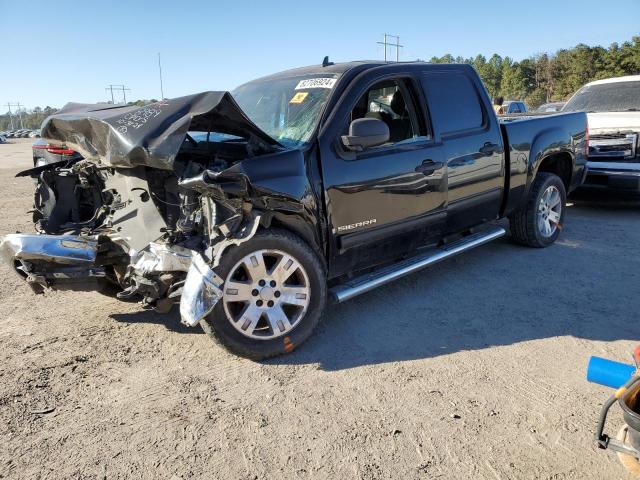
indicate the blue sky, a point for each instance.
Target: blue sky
{"x":54,"y":52}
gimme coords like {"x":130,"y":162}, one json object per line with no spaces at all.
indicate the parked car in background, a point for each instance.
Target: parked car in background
{"x":550,"y":107}
{"x":613,"y":110}
{"x":514,"y":106}
{"x":44,"y":153}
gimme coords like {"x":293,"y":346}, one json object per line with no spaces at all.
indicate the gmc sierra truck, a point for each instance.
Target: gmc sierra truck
{"x":253,"y":209}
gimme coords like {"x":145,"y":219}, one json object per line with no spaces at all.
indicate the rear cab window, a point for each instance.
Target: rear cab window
{"x":454,"y":103}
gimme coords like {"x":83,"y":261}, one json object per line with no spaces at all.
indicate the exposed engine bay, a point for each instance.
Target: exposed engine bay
{"x":149,"y":209}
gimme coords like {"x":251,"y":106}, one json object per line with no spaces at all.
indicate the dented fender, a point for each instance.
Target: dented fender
{"x":277,"y":185}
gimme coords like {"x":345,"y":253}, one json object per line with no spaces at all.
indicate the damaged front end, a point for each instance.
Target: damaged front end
{"x":148,"y":211}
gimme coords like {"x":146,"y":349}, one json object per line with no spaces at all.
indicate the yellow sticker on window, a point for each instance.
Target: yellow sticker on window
{"x":299,"y":97}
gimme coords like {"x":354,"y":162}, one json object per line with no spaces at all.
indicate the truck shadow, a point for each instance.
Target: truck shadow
{"x":170,"y":320}
{"x":586,"y":286}
{"x":605,"y":199}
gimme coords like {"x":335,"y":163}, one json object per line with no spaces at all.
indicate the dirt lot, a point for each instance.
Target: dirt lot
{"x":473,"y":369}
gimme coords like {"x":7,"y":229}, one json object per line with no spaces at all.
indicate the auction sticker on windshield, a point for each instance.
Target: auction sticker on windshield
{"x":316,"y":83}
{"x":299,"y":97}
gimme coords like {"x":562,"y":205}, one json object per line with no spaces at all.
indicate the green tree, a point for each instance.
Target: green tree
{"x":548,"y":77}
{"x":514,"y":82}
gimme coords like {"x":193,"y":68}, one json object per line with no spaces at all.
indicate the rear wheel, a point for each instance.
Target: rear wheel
{"x":539,"y":221}
{"x":273,"y":296}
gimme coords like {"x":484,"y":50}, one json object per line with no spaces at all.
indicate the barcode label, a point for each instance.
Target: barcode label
{"x":316,"y":83}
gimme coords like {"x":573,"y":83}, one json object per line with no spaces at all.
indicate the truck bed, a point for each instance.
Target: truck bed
{"x":532,"y":137}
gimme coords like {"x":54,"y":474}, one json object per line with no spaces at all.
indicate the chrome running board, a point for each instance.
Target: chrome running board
{"x":354,"y":287}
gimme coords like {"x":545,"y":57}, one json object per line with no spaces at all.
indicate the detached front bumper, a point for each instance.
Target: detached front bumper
{"x":68,"y":262}
{"x":51,"y":260}
{"x":63,"y":249}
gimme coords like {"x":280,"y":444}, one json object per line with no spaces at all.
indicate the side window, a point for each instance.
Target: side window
{"x":516,"y":108}
{"x":454,"y":104}
{"x":390,"y":102}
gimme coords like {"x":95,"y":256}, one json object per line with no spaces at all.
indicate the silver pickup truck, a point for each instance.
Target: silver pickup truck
{"x":613,"y":111}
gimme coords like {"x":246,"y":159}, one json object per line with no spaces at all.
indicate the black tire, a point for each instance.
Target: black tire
{"x":523,"y":223}
{"x":220,"y":329}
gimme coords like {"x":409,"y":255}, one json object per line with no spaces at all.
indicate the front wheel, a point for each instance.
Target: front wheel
{"x":539,"y":221}
{"x":273,"y":296}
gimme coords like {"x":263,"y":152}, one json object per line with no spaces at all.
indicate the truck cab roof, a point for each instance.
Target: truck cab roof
{"x":626,"y":78}
{"x":360,"y":65}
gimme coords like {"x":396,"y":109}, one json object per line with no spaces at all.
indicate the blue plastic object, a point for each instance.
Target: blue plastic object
{"x":609,"y":373}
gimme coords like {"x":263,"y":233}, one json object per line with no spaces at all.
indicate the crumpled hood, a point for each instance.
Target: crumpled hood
{"x":123,"y":136}
{"x":607,"y":122}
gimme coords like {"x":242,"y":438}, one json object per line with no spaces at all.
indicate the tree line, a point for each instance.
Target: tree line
{"x":32,"y":119}
{"x":538,"y":79}
{"x":552,"y":77}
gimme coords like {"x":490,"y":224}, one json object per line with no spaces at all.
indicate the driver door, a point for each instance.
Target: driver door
{"x":387,"y":200}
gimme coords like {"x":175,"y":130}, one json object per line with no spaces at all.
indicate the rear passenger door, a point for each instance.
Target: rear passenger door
{"x":472,"y":143}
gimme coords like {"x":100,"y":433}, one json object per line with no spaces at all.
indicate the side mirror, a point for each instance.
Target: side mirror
{"x":365,"y":133}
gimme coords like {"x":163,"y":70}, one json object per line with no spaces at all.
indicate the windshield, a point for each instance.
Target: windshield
{"x":606,"y":97}
{"x":549,"y":107}
{"x":288,"y":109}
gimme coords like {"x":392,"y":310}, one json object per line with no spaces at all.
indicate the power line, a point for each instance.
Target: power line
{"x":118,"y":87}
{"x":389,"y":44}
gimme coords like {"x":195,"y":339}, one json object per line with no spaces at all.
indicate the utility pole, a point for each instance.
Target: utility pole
{"x":118,"y":87}
{"x":10,"y":116}
{"x":385,"y":43}
{"x":18,"y":111}
{"x":160,"y":70}
{"x":20,"y":114}
{"x":110,"y":87}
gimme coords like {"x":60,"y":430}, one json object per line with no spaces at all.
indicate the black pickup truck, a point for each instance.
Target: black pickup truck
{"x":255,"y":208}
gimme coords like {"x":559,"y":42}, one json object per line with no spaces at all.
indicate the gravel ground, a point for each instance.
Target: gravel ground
{"x":472,"y":369}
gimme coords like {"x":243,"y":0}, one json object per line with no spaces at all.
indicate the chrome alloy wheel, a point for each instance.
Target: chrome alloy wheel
{"x":549,"y":211}
{"x":266,"y":294}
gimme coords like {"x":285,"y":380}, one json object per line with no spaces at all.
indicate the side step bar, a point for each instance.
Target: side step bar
{"x":352,"y":288}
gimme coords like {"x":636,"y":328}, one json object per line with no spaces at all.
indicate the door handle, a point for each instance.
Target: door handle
{"x":489,"y":148}
{"x":428,"y":167}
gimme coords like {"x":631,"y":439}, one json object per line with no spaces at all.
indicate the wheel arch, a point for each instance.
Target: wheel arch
{"x":560,"y":164}
{"x":298,"y":226}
